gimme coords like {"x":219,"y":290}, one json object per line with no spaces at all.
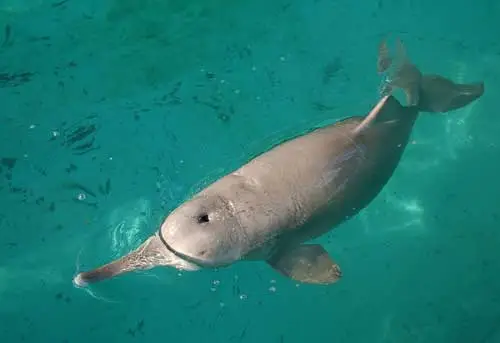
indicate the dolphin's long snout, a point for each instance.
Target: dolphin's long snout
{"x":107,"y":271}
{"x":150,"y":254}
{"x":146,"y":256}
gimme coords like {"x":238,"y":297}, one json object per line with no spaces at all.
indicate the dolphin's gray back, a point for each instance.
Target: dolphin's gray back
{"x":304,"y":187}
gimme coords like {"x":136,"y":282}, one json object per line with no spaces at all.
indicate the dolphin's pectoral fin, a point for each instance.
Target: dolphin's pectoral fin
{"x":307,"y":263}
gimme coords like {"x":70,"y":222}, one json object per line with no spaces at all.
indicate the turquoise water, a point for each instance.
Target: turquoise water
{"x":114,"y":111}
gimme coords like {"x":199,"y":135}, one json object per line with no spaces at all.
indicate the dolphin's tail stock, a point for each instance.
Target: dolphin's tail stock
{"x":429,"y":93}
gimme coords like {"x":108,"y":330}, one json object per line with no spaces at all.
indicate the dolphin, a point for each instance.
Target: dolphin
{"x":271,"y":207}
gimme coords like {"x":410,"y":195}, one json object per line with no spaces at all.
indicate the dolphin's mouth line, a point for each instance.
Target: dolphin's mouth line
{"x":179,"y":254}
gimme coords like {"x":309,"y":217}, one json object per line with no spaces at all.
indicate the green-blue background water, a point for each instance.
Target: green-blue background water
{"x":168,"y":95}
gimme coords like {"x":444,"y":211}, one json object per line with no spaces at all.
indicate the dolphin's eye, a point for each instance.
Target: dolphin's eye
{"x":203,"y":218}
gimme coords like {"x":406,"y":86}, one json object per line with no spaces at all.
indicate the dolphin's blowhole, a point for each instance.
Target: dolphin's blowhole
{"x":203,"y":218}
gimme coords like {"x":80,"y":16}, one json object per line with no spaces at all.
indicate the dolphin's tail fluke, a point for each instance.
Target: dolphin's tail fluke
{"x":438,"y":94}
{"x":429,"y":93}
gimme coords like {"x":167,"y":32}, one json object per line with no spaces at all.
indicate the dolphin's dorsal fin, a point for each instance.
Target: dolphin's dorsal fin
{"x":372,"y":116}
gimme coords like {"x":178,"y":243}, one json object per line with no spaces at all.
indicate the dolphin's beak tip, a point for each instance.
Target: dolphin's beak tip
{"x":78,"y":281}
